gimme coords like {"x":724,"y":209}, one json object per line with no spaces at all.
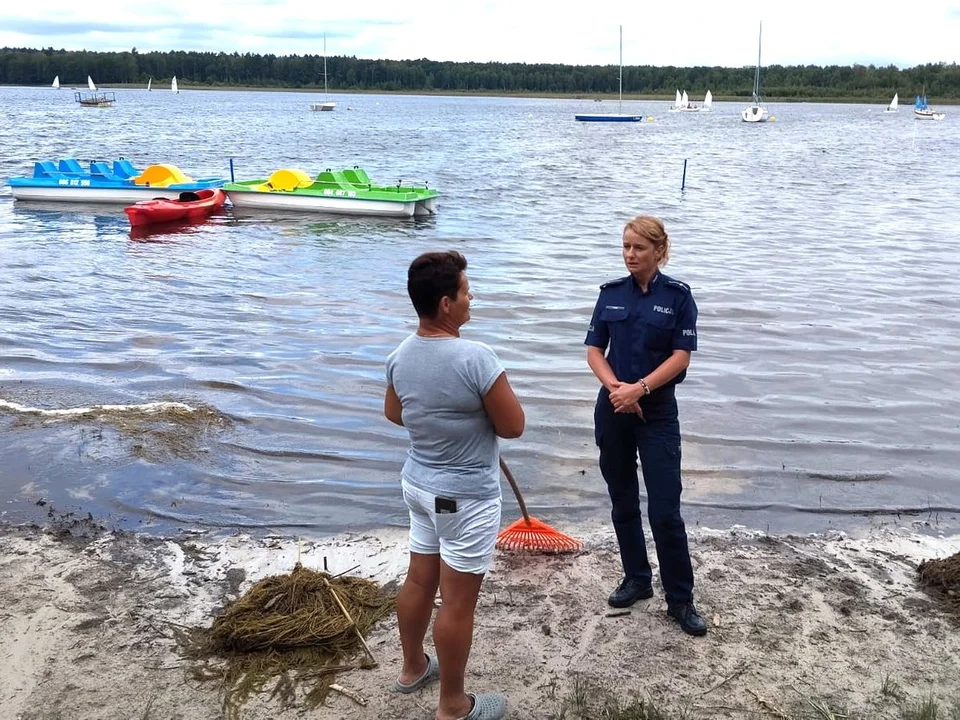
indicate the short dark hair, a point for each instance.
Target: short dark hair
{"x":433,"y":276}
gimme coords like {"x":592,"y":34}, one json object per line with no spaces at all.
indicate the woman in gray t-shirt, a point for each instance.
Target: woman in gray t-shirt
{"x":454,"y":398}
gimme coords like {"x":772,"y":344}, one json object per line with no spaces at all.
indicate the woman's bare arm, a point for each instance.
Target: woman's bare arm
{"x":504,"y":409}
{"x":392,"y":409}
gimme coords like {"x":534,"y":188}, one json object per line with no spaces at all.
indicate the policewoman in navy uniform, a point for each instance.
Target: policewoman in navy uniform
{"x":649,"y":323}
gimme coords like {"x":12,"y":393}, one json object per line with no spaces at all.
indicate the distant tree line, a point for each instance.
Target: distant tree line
{"x":21,"y":66}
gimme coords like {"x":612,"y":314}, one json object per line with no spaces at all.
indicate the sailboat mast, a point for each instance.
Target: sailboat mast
{"x":620,"y":101}
{"x":324,"y":66}
{"x":756,"y":78}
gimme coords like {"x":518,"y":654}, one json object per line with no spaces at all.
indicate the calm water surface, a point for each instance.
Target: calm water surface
{"x":821,"y":249}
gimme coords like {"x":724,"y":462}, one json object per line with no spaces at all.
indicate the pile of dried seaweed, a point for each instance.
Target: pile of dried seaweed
{"x":942,"y":580}
{"x":290,"y":630}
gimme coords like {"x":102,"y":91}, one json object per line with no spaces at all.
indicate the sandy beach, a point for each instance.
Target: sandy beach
{"x":794,"y":621}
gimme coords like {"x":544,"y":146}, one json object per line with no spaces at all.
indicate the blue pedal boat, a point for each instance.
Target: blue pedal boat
{"x":104,"y":182}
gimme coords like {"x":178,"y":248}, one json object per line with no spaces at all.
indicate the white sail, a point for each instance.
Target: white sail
{"x":676,"y":103}
{"x":93,"y":88}
{"x":894,"y":104}
{"x":173,"y":85}
{"x":684,"y":100}
{"x":56,"y":83}
{"x":707,"y":101}
{"x":149,"y":83}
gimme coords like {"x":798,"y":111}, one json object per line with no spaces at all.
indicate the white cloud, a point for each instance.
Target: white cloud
{"x":698,"y":32}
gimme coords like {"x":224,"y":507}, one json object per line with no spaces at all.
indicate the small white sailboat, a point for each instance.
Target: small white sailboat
{"x":922,"y":111}
{"x":56,"y":83}
{"x":173,"y":86}
{"x":894,"y":104}
{"x":687,"y":106}
{"x":149,"y":84}
{"x":326,"y":105}
{"x":90,"y":84}
{"x":756,"y":112}
{"x":676,"y":107}
{"x":611,"y":117}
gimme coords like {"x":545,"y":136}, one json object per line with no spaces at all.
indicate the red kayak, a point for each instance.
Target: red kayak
{"x":188,"y":206}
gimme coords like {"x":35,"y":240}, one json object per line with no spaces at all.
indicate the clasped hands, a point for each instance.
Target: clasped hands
{"x":625,"y":397}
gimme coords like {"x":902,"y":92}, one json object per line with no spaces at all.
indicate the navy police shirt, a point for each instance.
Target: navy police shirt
{"x":643,"y":329}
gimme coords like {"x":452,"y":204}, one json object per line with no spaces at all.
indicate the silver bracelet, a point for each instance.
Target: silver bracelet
{"x":646,"y":388}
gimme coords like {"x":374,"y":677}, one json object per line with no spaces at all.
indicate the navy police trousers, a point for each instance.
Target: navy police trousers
{"x":621,"y":437}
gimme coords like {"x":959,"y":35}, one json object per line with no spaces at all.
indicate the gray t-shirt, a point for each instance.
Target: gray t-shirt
{"x":441,"y":383}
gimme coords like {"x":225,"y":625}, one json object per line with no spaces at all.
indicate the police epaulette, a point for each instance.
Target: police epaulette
{"x":676,"y":283}
{"x":614,"y":282}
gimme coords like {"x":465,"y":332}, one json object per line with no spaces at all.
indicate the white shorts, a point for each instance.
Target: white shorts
{"x":464,"y":540}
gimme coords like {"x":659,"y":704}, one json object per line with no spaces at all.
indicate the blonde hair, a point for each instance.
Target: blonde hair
{"x":651,"y":228}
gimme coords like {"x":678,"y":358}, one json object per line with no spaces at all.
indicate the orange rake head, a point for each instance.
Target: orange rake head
{"x":535,"y":536}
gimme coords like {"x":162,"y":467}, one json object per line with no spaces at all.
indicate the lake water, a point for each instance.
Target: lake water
{"x":822,"y":250}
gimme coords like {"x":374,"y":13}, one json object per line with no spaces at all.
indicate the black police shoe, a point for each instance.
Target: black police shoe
{"x":688,"y":617}
{"x":629,"y":591}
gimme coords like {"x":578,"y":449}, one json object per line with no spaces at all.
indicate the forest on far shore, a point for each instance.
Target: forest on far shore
{"x":23,"y":66}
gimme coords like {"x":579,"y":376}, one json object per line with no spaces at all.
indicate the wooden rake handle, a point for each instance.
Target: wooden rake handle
{"x":516,"y":490}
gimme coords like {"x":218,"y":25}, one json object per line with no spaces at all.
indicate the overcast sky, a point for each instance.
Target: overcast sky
{"x":694,"y":32}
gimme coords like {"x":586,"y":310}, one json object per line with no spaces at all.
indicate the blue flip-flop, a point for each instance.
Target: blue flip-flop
{"x":487,"y":706}
{"x":431,"y":674}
